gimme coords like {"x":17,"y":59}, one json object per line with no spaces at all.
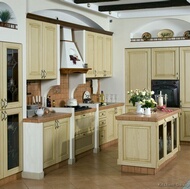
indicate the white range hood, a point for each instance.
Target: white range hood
{"x":71,"y":59}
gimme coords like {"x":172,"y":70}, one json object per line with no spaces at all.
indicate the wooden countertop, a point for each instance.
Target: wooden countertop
{"x":111,"y":105}
{"x":85,"y":111}
{"x":47,"y":117}
{"x":154,"y":117}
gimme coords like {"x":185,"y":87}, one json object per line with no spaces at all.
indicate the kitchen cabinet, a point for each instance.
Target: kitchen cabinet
{"x":41,"y":50}
{"x":147,"y":145}
{"x":11,"y":75}
{"x":97,"y":52}
{"x":165,"y":63}
{"x":84,"y":132}
{"x":108,"y":128}
{"x":138,"y":70}
{"x":10,"y":109}
{"x":185,"y":125}
{"x":184,"y":93}
{"x":10,"y":142}
{"x":56,"y":142}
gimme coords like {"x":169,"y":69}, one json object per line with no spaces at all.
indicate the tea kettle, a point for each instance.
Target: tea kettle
{"x":39,"y":112}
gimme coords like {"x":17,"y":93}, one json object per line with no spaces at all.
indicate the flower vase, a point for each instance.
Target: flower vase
{"x":147,"y":111}
{"x":139,"y":110}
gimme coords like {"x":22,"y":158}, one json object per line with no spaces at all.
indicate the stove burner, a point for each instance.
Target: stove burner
{"x":79,"y":108}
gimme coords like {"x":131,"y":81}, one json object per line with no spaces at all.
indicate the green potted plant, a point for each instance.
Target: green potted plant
{"x":5,"y":15}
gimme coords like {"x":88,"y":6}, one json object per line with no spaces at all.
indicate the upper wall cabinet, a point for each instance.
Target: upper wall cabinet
{"x":96,"y":50}
{"x":138,"y":70}
{"x":165,"y":63}
{"x":41,"y":50}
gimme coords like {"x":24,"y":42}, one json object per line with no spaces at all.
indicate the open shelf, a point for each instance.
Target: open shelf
{"x":159,"y":39}
{"x":73,"y":70}
{"x":8,"y":25}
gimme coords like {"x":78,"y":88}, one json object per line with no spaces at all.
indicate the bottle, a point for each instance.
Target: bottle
{"x":49,"y":101}
{"x":102,"y":97}
{"x":53,"y":103}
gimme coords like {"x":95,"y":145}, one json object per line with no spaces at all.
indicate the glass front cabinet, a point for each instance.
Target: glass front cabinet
{"x":10,"y":109}
{"x":168,"y":138}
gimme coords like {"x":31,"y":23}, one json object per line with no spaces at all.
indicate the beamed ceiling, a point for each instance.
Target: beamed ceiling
{"x":124,"y":5}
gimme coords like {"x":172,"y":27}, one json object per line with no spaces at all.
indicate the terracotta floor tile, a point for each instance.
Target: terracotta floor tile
{"x":100,"y":171}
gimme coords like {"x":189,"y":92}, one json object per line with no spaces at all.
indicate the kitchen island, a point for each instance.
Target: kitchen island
{"x":147,"y":143}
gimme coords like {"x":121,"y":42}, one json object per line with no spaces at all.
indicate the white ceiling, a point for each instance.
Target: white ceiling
{"x":171,"y":11}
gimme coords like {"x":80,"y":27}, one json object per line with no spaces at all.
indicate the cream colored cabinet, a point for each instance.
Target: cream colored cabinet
{"x":102,"y":127}
{"x":148,"y":144}
{"x":185,"y":125}
{"x":184,"y":93}
{"x":11,"y":75}
{"x":10,"y":142}
{"x":138,"y":70}
{"x":41,"y":50}
{"x":96,"y":49}
{"x":108,"y":128}
{"x":56,"y":142}
{"x":184,"y":76}
{"x":165,"y":63}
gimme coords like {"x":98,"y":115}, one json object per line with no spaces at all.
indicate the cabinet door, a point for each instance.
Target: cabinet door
{"x":185,"y":125}
{"x":11,"y":83}
{"x":100,"y":55}
{"x":12,"y":141}
{"x":34,"y":49}
{"x":110,"y":115}
{"x":49,"y":141}
{"x":62,"y":140}
{"x":90,"y":53}
{"x":1,"y":146}
{"x":184,"y":76}
{"x":118,"y":111}
{"x":50,"y":50}
{"x":138,"y":70}
{"x":108,"y":55}
{"x":165,"y":63}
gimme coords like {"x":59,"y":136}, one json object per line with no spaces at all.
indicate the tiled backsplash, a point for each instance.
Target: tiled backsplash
{"x":60,"y":93}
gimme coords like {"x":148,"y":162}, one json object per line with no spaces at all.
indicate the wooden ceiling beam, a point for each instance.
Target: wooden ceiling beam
{"x":150,"y":5}
{"x":92,"y":1}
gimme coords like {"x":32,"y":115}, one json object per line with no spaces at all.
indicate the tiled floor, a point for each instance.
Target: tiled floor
{"x":100,"y":171}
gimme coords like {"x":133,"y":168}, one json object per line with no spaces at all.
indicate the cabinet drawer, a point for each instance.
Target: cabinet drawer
{"x":102,"y":114}
{"x":102,"y":122}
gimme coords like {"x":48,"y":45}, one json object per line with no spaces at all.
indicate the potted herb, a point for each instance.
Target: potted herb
{"x":5,"y":15}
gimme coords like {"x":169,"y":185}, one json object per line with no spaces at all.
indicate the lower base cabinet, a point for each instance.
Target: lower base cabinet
{"x":10,"y":142}
{"x":108,"y":128}
{"x":185,"y":125}
{"x":56,"y":142}
{"x":148,"y":144}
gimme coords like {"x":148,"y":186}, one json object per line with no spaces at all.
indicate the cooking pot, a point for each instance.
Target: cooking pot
{"x":72,"y":102}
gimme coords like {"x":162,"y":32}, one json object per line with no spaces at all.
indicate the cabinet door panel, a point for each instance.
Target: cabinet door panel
{"x":50,"y":50}
{"x":138,"y":75}
{"x":34,"y":49}
{"x":49,"y":143}
{"x":165,"y":63}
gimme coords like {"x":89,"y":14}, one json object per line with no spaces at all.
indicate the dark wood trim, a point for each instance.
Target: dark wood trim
{"x":74,"y":70}
{"x":66,"y":24}
{"x":150,"y":5}
{"x":91,"y":1}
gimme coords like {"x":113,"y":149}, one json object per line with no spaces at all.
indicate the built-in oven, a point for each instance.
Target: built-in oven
{"x":169,"y":87}
{"x":84,"y":132}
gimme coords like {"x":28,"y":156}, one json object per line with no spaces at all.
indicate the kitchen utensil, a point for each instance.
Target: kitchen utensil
{"x":39,"y":112}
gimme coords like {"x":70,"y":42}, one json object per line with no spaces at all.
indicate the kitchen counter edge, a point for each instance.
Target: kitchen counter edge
{"x":47,"y":117}
{"x":154,"y":117}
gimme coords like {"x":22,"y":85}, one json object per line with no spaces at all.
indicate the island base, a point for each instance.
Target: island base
{"x":145,"y":170}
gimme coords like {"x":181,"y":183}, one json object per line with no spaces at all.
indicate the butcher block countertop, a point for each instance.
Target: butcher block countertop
{"x":47,"y":117}
{"x":154,"y":117}
{"x":111,"y":105}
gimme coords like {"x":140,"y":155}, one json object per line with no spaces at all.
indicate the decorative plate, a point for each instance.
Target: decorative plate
{"x":187,"y":34}
{"x":165,"y":33}
{"x":146,"y":36}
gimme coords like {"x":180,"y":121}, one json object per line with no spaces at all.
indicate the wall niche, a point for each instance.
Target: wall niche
{"x":7,"y":17}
